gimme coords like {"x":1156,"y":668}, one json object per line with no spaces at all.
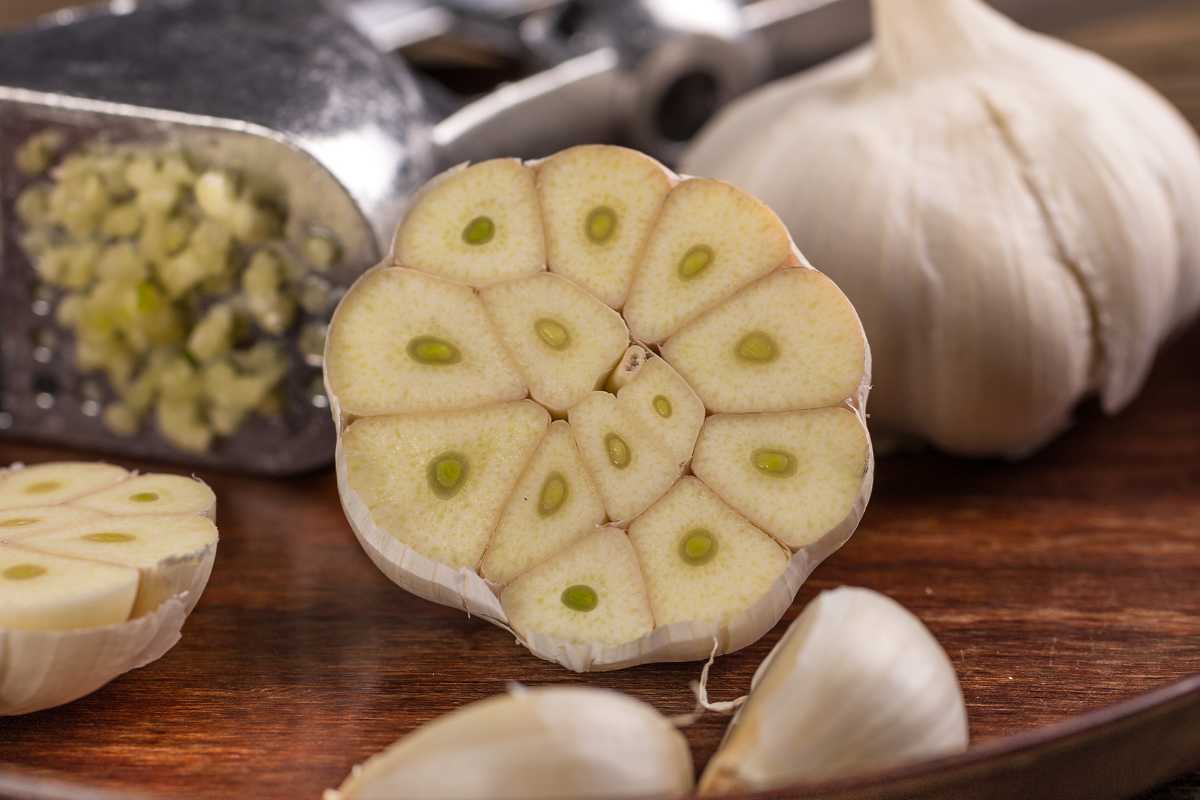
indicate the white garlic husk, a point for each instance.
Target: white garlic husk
{"x":856,"y":684}
{"x":1014,"y":218}
{"x":562,"y":742}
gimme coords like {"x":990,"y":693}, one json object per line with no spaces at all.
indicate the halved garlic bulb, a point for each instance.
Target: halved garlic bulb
{"x":856,"y":684}
{"x":507,"y":446}
{"x":85,"y":594}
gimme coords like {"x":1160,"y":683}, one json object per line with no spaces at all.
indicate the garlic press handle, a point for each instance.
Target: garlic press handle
{"x":569,"y":103}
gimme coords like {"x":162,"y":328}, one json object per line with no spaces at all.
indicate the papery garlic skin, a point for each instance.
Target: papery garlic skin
{"x":539,"y":743}
{"x":856,"y":684}
{"x":1014,"y":218}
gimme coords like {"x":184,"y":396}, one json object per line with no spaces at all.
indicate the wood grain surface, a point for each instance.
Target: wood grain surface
{"x":1058,"y":586}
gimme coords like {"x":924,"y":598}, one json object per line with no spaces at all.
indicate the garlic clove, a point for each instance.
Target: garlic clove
{"x":441,"y":352}
{"x":58,"y":482}
{"x":537,"y":743}
{"x":631,"y":467}
{"x":658,"y":397}
{"x":553,"y":504}
{"x":856,"y":684}
{"x":590,"y":592}
{"x":710,"y":240}
{"x":174,"y":553}
{"x":43,"y":592}
{"x":797,"y":475}
{"x":701,"y":559}
{"x":17,"y":523}
{"x":153,"y":494}
{"x":476,"y":225}
{"x":564,"y":340}
{"x":599,"y":204}
{"x":791,"y":341}
{"x":438,"y":482}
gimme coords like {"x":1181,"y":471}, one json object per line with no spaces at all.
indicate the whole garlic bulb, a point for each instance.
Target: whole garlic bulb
{"x":856,"y":684}
{"x":1017,"y":220}
{"x":558,"y":742}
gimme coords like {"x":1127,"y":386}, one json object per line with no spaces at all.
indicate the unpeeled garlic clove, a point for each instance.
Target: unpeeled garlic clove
{"x":856,"y":684}
{"x":563,"y":742}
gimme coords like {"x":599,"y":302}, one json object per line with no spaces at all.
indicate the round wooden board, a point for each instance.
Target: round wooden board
{"x":1059,"y":586}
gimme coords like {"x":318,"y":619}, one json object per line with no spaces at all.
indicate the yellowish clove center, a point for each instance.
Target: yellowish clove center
{"x":698,"y":546}
{"x":447,"y":473}
{"x":618,"y":451}
{"x":776,"y":463}
{"x":552,"y":333}
{"x":23,"y":572}
{"x":42,"y":487}
{"x":662,"y":405}
{"x":144,"y":497}
{"x":18,"y":522}
{"x":479,"y":231}
{"x":109,"y":537}
{"x":553,"y":494}
{"x":601,"y":224}
{"x":758,"y":348}
{"x":433,"y":351}
{"x":580,"y":597}
{"x":695,"y":261}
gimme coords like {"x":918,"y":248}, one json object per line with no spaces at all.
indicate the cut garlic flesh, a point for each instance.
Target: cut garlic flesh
{"x":85,"y":594}
{"x":553,"y":504}
{"x":17,"y":523}
{"x":857,"y":684}
{"x":153,"y":494}
{"x":169,"y":550}
{"x":579,"y":534}
{"x":43,"y":592}
{"x":51,"y":484}
{"x":536,"y":743}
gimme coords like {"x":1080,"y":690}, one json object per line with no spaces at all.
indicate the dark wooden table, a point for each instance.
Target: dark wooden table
{"x":1058,"y":586}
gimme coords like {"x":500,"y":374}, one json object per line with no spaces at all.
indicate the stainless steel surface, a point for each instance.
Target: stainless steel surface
{"x":285,"y":93}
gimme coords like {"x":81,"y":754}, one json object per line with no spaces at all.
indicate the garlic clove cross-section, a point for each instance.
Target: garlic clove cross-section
{"x":554,"y":503}
{"x":43,"y":592}
{"x":559,"y":435}
{"x":50,"y":484}
{"x":857,"y":684}
{"x":632,"y":468}
{"x":97,"y":578}
{"x":794,"y":474}
{"x":174,"y":553}
{"x":657,"y":396}
{"x":439,"y":482}
{"x":788,"y":342}
{"x":564,"y":341}
{"x":599,"y":204}
{"x":710,"y":240}
{"x":153,"y":494}
{"x":477,"y":225}
{"x":701,"y":559}
{"x":17,"y":523}
{"x":406,"y":342}
{"x":532,"y":743}
{"x":590,"y":592}
{"x":1008,"y":213}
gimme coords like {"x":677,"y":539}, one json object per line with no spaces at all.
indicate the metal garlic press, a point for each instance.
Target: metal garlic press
{"x":315,"y":100}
